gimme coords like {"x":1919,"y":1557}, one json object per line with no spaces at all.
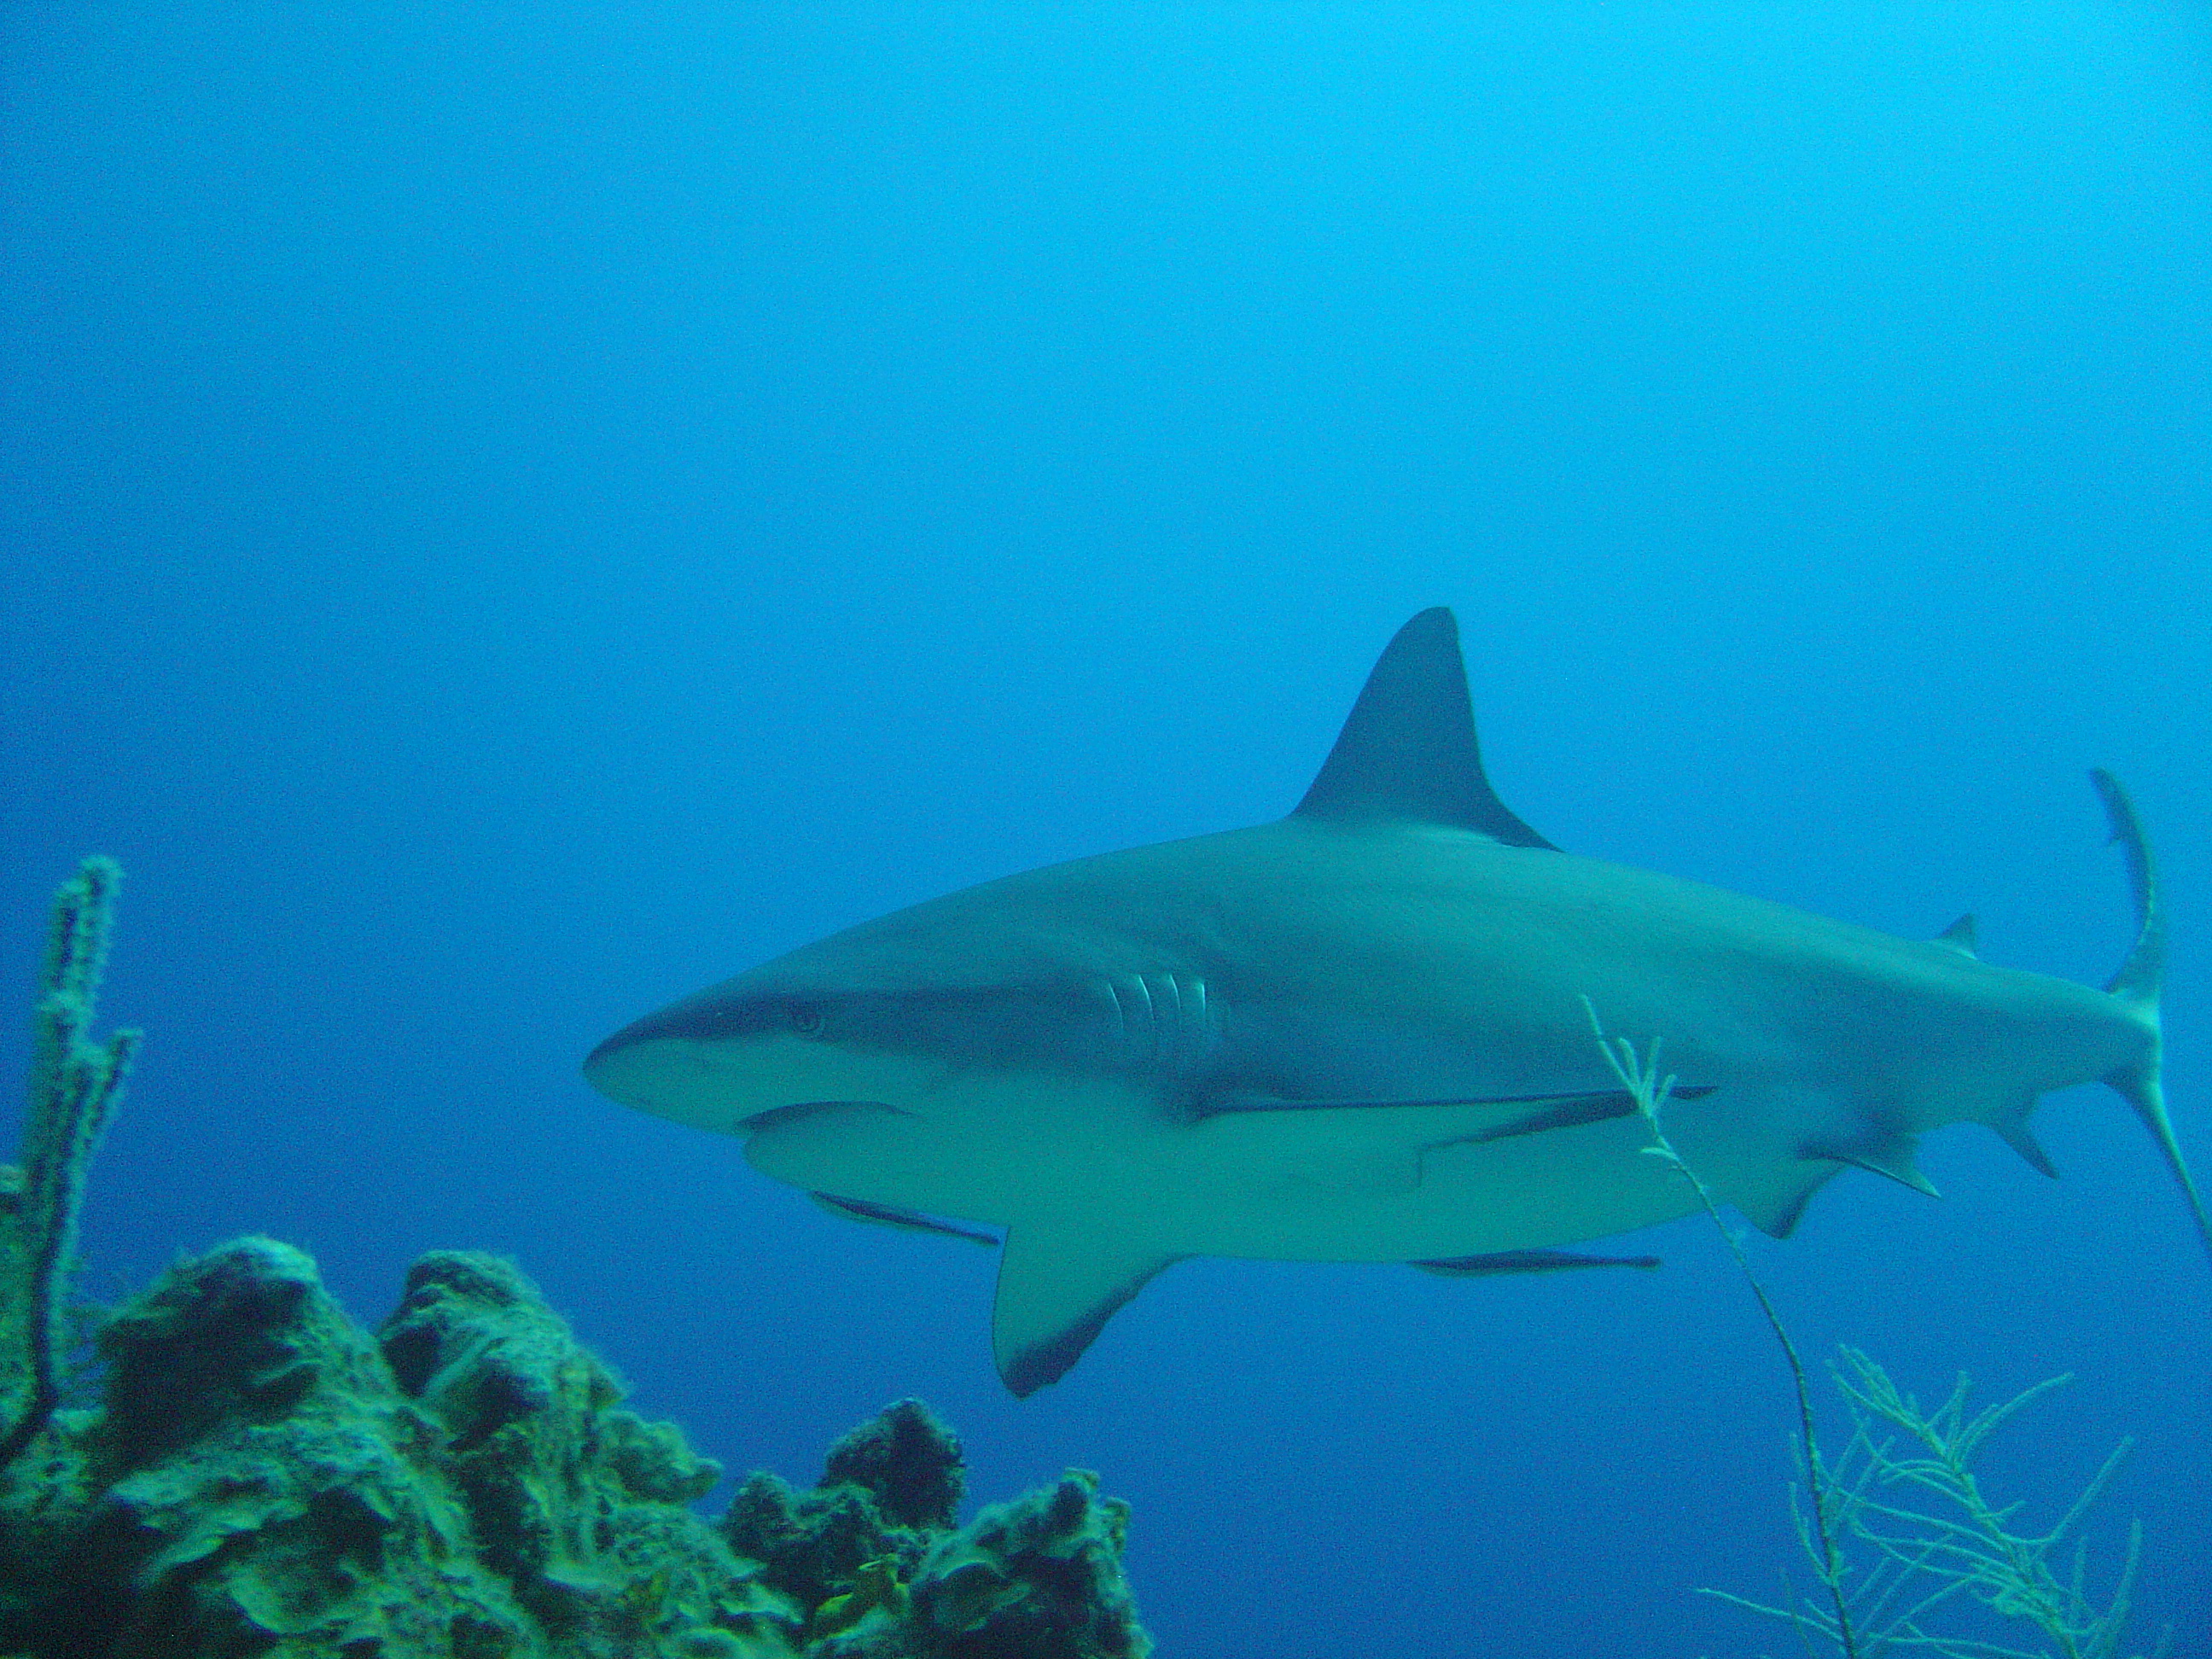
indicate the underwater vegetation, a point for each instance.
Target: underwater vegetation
{"x":250,"y":1473}
{"x":1931,"y":1543}
{"x":1911,"y":1563}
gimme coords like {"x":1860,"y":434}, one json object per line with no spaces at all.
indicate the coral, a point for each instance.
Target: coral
{"x":872,"y":1551}
{"x":75,"y":1085}
{"x":909,"y":1460}
{"x":886,"y":1488}
{"x":1639,"y":1075}
{"x":259,"y":1476}
{"x":1033,"y":1579}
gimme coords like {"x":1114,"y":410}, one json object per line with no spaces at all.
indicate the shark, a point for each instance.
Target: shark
{"x":1363,"y":1032}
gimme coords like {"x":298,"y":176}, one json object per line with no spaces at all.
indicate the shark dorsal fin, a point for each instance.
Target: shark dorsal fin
{"x":1409,"y":751}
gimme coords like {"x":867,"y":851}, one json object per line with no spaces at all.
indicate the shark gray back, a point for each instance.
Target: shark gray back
{"x":1358,"y":1034}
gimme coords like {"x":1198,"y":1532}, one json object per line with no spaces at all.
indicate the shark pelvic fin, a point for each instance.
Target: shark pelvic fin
{"x":1898,"y":1168}
{"x":1889,"y":1153}
{"x":1408,"y":752}
{"x":1527,"y":1261}
{"x":1057,"y":1288}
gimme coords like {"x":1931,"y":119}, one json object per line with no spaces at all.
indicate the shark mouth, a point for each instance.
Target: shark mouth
{"x":776,"y":1116}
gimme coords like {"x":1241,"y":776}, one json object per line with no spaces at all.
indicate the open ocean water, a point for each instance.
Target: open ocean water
{"x":515,"y":512}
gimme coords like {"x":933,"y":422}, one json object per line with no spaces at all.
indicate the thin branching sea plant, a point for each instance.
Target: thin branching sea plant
{"x":1906,"y":1495}
{"x":1640,"y":1076}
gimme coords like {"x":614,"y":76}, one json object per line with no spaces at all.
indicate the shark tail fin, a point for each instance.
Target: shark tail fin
{"x":2143,"y":976}
{"x":2137,"y":985}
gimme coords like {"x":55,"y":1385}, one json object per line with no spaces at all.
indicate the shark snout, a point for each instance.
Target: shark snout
{"x":705,"y":1083}
{"x":740,"y":1085}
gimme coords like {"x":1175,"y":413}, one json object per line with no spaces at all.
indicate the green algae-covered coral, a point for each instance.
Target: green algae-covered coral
{"x":258,"y":1476}
{"x":874,"y":1552}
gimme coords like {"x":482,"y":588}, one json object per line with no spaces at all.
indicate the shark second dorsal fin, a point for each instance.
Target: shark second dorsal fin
{"x":1960,"y":936}
{"x":1408,"y":751}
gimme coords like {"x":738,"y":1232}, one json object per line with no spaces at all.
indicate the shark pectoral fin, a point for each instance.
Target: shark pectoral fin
{"x":1058,"y":1285}
{"x":1568,"y":1112}
{"x":1520,"y":1114}
{"x":1527,"y":1261}
{"x":890,"y":1215}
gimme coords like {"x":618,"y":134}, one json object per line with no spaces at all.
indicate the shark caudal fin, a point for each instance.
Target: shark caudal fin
{"x":2137,"y":984}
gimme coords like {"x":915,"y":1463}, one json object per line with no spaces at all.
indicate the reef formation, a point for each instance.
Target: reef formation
{"x":261,"y":1476}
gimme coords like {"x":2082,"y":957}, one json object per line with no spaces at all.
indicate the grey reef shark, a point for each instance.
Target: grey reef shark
{"x":1360,"y":1034}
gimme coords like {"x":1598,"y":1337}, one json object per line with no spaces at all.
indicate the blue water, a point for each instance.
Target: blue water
{"x":514,"y":514}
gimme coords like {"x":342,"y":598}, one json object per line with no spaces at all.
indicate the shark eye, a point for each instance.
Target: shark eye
{"x":806,"y":1019}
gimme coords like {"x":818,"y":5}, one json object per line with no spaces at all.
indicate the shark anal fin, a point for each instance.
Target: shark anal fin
{"x":1960,"y":936}
{"x":2011,"y":1127}
{"x":1408,"y":753}
{"x":1057,"y":1288}
{"x":890,"y":1215}
{"x":1527,"y":1261}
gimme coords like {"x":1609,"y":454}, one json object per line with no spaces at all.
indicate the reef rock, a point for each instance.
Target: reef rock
{"x":260,"y":1477}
